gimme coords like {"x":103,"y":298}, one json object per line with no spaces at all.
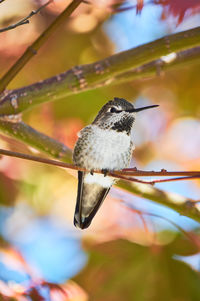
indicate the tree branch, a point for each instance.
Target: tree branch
{"x":158,"y":67}
{"x":25,"y":20}
{"x":142,"y":61}
{"x":180,"y":204}
{"x":121,"y":174}
{"x":32,"y":50}
{"x":190,"y":236}
{"x":124,"y":175}
{"x":78,"y":79}
{"x":30,"y":136}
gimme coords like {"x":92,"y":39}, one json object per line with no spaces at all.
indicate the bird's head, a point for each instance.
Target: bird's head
{"x":118,"y":114}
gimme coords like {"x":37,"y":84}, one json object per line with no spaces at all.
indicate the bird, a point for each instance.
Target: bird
{"x":104,"y":145}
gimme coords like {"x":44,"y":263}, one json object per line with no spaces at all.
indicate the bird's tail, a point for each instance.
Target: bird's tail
{"x":92,"y":190}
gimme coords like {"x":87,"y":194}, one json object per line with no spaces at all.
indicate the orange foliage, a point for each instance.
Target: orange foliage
{"x":66,"y":131}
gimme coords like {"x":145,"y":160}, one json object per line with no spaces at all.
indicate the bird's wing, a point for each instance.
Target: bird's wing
{"x":92,"y":190}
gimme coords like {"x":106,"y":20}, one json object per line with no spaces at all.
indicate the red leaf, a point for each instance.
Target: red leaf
{"x":140,"y":4}
{"x":178,"y":8}
{"x":34,"y":294}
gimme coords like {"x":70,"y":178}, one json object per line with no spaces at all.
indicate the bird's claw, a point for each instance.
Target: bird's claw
{"x":105,"y":171}
{"x":92,"y":172}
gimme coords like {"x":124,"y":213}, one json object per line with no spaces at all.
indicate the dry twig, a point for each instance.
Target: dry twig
{"x":32,"y":50}
{"x":25,"y":20}
{"x":121,"y":174}
{"x":191,"y":236}
{"x":182,"y":205}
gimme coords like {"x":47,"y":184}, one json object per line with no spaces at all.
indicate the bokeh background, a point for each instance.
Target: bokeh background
{"x":125,"y":254}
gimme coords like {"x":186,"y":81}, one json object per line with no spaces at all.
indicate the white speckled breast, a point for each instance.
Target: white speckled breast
{"x":99,"y":148}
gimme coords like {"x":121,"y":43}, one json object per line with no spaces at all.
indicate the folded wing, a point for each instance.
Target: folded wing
{"x":92,"y":190}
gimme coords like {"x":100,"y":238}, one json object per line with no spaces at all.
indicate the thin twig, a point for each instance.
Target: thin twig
{"x":162,"y":173}
{"x":181,"y":204}
{"x":123,"y":175}
{"x":36,"y":45}
{"x":121,"y":9}
{"x":174,"y":179}
{"x":153,"y":182}
{"x":184,"y":206}
{"x":188,"y":235}
{"x":141,"y":216}
{"x":25,"y":20}
{"x":38,"y":159}
{"x":41,"y":142}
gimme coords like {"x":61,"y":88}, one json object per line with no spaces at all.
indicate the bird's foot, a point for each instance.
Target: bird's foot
{"x":105,"y":171}
{"x":92,"y":172}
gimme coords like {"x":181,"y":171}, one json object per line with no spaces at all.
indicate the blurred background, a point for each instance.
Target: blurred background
{"x":125,"y":254}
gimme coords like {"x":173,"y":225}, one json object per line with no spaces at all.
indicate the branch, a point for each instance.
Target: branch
{"x":180,"y":204}
{"x":32,"y":50}
{"x":174,"y":179}
{"x":25,"y":20}
{"x":121,"y":174}
{"x":80,"y":78}
{"x":125,"y":176}
{"x":30,"y":136}
{"x":16,"y":128}
{"x":191,"y":236}
{"x":158,"y":67}
{"x":13,"y":126}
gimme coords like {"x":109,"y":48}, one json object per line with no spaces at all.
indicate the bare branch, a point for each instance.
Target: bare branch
{"x":191,"y":236}
{"x":25,"y":20}
{"x":153,"y":182}
{"x":38,"y":140}
{"x":13,"y":126}
{"x":38,"y":159}
{"x":36,"y":45}
{"x":81,"y":78}
{"x":158,"y":67}
{"x":182,"y":205}
{"x":121,"y":174}
{"x":174,"y":179}
{"x":163,"y":173}
{"x":113,"y":9}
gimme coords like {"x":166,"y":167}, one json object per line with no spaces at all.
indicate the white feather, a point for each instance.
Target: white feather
{"x":108,"y":150}
{"x":106,"y":182}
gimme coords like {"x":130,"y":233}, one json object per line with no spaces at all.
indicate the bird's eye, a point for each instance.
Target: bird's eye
{"x":114,"y":110}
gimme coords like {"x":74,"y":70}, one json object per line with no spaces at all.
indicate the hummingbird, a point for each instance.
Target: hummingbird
{"x":106,"y":145}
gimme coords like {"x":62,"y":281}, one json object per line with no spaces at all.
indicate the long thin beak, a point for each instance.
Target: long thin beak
{"x":141,"y":109}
